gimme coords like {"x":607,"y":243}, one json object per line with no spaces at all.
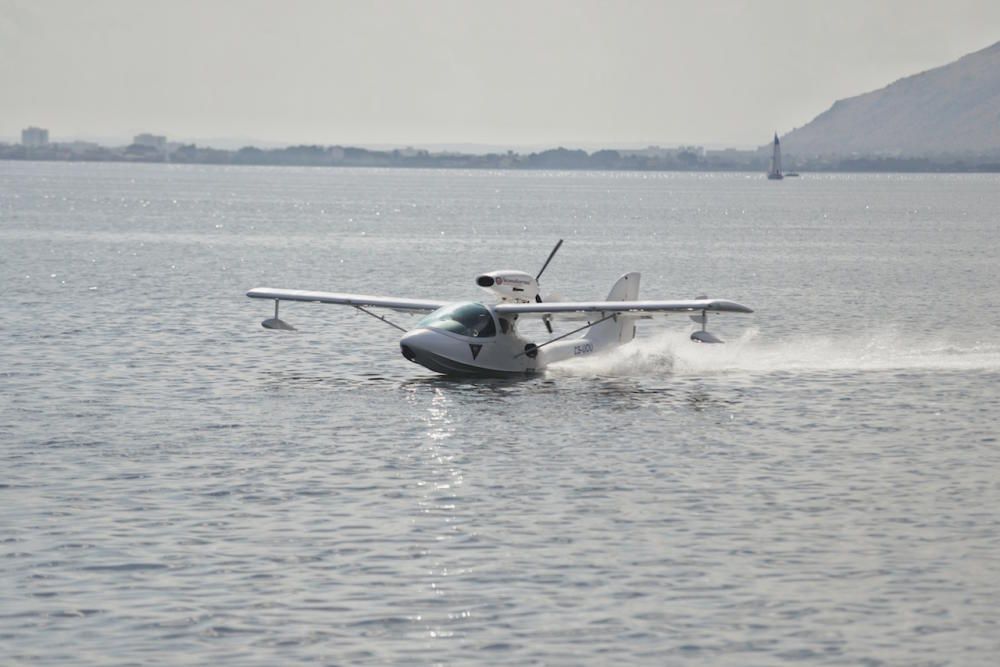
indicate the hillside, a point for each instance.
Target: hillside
{"x":946,"y":110}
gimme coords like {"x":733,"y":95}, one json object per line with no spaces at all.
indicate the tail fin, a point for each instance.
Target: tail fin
{"x":621,"y":329}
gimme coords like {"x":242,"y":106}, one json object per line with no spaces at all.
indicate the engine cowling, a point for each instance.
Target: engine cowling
{"x":509,"y":285}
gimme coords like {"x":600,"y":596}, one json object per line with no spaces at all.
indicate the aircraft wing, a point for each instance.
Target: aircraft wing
{"x":636,"y":308}
{"x":393,"y":303}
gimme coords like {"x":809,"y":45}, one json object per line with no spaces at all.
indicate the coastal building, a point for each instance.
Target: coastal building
{"x":34,"y":137}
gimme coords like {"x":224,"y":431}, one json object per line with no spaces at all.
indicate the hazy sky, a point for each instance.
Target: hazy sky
{"x":503,"y":72}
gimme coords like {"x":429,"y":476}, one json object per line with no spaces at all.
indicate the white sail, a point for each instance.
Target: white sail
{"x":774,"y":173}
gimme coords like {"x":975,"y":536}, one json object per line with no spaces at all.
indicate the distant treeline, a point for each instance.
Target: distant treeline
{"x":652,"y":159}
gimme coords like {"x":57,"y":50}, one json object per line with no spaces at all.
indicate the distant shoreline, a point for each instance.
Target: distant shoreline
{"x":652,"y":159}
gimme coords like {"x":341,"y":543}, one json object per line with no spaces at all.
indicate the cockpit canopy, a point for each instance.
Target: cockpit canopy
{"x":465,"y":319}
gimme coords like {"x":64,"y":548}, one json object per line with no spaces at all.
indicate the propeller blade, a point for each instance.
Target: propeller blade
{"x":548,"y":325}
{"x":551,"y":255}
{"x":538,"y":298}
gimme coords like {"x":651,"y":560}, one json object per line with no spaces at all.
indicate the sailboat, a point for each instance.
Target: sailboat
{"x":774,"y":173}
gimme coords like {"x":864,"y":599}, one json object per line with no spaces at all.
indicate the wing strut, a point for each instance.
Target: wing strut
{"x":531,"y":349}
{"x":379,"y":317}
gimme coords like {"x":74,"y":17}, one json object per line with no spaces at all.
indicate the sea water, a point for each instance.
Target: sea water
{"x":180,"y":486}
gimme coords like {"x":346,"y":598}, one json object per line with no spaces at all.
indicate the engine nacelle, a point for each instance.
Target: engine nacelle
{"x":509,"y":285}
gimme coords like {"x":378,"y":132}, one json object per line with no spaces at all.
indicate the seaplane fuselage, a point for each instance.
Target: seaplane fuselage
{"x":472,"y":339}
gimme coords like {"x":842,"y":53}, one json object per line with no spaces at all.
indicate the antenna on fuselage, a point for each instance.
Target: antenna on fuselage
{"x":538,"y":297}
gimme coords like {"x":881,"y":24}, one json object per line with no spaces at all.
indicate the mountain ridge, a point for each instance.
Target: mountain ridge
{"x":946,"y":110}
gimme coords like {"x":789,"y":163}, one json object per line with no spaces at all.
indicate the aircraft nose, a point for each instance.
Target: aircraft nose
{"x":413,"y":344}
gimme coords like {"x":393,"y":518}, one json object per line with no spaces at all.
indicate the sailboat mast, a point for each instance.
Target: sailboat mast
{"x":777,"y":154}
{"x":774,"y":172}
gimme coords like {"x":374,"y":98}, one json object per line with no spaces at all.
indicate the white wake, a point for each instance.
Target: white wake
{"x":675,"y":353}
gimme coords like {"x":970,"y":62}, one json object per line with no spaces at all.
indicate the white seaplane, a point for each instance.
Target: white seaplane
{"x":474,"y":338}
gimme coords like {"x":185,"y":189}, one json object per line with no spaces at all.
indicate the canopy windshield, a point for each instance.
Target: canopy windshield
{"x":465,"y":319}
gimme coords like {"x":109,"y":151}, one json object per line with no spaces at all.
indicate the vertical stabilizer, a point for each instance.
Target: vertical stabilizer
{"x":622,"y":328}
